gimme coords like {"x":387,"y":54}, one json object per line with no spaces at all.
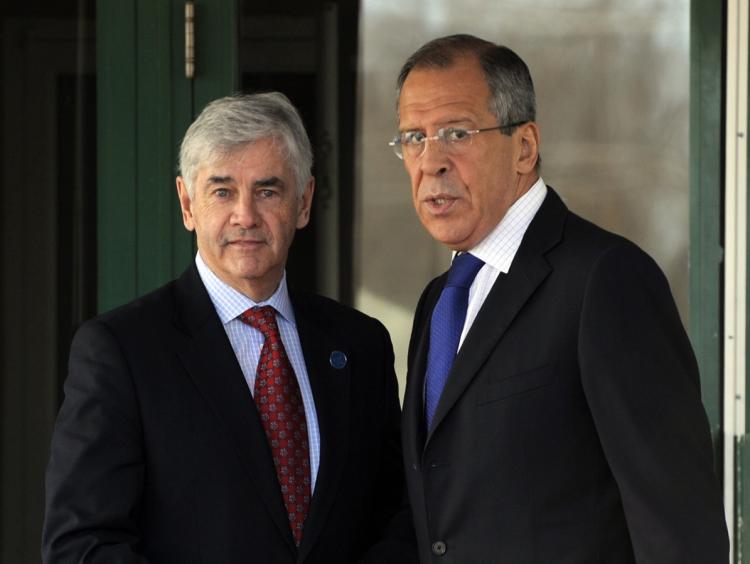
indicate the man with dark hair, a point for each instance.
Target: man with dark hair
{"x":552,"y":411}
{"x":225,"y":418}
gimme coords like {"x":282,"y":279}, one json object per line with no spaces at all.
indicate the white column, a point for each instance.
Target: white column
{"x":735,"y":247}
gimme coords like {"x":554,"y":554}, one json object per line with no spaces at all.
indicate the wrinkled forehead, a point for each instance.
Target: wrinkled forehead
{"x":263,"y":157}
{"x":232,"y":150}
{"x":458,"y":92}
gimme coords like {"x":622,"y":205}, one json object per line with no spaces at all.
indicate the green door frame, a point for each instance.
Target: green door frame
{"x":706,"y":200}
{"x":707,"y":156}
{"x":145,"y":103}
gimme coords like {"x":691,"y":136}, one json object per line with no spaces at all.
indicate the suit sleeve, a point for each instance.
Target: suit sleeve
{"x":96,"y":471}
{"x":397,"y":544}
{"x":641,"y":381}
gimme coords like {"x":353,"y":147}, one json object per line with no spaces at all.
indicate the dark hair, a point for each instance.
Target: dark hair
{"x":512,"y":97}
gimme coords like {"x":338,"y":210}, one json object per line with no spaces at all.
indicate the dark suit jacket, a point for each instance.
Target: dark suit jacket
{"x":571,"y":428}
{"x":159,"y":455}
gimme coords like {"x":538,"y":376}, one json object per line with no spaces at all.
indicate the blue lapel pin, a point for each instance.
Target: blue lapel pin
{"x":338,"y":360}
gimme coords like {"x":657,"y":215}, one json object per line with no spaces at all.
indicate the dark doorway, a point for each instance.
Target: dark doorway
{"x":308,"y":51}
{"x":48,"y":224}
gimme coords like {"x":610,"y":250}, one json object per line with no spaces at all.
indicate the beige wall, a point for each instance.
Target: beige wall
{"x":612,"y":93}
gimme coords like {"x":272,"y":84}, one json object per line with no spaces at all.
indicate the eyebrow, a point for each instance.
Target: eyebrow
{"x":268,"y":181}
{"x":447,"y":123}
{"x":260,"y":183}
{"x":219,"y":180}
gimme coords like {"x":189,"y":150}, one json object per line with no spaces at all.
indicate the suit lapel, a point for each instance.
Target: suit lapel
{"x":413,"y":413}
{"x":209,"y":359}
{"x":331,"y":388}
{"x":504,"y":302}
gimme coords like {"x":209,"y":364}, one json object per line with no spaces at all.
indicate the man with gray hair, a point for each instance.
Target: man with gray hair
{"x":552,"y":411}
{"x":225,"y":418}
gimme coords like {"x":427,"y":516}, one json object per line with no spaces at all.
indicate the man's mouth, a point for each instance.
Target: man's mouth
{"x":244,"y":242}
{"x":440,"y":203}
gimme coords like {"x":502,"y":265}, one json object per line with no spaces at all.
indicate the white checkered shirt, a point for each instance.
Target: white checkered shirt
{"x":499,"y":248}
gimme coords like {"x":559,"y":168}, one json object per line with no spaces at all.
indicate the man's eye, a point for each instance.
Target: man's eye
{"x":221,"y":192}
{"x":454,"y":134}
{"x":412,"y":138}
{"x":267,"y":193}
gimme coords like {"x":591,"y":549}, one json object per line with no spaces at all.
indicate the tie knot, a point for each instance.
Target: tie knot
{"x":262,"y":318}
{"x":463,"y":270}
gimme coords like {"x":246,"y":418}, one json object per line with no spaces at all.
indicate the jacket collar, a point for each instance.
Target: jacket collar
{"x":507,"y":297}
{"x":209,"y":359}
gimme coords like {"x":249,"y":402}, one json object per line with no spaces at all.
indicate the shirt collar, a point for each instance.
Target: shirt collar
{"x":230,"y":303}
{"x":498,"y":249}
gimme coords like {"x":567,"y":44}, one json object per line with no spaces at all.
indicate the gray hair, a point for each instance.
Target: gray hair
{"x":512,"y":97}
{"x":231,"y":122}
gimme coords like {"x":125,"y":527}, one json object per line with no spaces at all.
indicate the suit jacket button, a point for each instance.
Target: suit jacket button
{"x":439,"y":548}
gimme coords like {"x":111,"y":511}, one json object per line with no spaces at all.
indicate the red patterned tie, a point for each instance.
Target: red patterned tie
{"x":282,"y":413}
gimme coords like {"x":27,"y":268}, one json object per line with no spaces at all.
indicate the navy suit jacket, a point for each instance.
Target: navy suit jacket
{"x":159,"y":455}
{"x":571,"y":429}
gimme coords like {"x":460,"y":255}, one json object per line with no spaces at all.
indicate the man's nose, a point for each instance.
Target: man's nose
{"x":435,"y":159}
{"x":245,"y":212}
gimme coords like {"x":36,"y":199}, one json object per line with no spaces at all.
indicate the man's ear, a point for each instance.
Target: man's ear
{"x":185,"y":204}
{"x":303,"y":214}
{"x":529,"y":139}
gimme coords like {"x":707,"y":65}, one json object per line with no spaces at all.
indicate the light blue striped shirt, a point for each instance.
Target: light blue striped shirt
{"x":248,"y":341}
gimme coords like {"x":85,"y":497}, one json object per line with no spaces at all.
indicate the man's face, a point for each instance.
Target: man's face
{"x":460,"y":198}
{"x":245,"y":211}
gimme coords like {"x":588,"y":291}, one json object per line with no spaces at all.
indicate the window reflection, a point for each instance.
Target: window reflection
{"x":612,"y":83}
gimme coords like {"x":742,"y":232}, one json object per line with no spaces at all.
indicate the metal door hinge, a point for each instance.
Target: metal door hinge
{"x":189,"y":39}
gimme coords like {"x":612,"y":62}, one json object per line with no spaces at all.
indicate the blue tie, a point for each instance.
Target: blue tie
{"x":445,"y":328}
